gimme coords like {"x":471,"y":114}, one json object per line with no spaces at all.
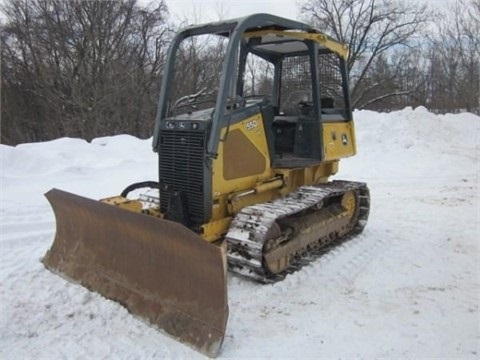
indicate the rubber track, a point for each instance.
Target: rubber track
{"x":249,"y":229}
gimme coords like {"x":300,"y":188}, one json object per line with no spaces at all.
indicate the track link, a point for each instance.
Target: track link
{"x":287,"y":233}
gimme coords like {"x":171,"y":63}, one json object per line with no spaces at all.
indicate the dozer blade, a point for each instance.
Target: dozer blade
{"x":158,"y":269}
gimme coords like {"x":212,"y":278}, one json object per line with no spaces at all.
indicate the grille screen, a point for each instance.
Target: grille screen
{"x":296,"y":82}
{"x":331,"y":79}
{"x":181,"y":169}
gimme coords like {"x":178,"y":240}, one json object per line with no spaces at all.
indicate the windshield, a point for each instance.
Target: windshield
{"x":197,"y":73}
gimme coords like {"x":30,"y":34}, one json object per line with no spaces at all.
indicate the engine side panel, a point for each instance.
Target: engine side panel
{"x":243,"y":161}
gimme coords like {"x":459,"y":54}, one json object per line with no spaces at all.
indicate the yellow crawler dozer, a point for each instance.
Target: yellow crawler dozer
{"x":247,"y":137}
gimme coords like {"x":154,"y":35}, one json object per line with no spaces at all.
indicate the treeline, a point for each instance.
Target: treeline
{"x":80,"y":68}
{"x":93,"y":68}
{"x":403,"y":53}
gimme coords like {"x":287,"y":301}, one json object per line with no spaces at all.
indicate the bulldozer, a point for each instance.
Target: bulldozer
{"x":247,"y":136}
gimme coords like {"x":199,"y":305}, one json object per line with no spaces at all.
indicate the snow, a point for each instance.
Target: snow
{"x":407,"y":287}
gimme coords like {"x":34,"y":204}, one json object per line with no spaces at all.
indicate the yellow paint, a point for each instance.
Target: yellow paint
{"x":311,"y":175}
{"x":253,"y":128}
{"x":215,"y":229}
{"x":338,"y":140}
{"x":257,"y":136}
{"x":331,"y":44}
{"x":266,"y":185}
{"x":124,"y":203}
{"x":349,"y":203}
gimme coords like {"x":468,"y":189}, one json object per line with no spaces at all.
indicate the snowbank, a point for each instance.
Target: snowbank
{"x":407,"y":287}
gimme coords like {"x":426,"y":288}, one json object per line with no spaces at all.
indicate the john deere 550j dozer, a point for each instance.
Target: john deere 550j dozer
{"x":243,"y":178}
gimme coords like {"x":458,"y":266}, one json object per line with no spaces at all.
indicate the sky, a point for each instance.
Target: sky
{"x":197,"y":11}
{"x":211,"y":10}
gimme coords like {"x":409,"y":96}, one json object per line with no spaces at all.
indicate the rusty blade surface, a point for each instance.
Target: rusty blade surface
{"x":158,"y":269}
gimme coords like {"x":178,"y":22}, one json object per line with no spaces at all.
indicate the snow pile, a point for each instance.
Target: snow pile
{"x":407,"y":287}
{"x":97,"y":169}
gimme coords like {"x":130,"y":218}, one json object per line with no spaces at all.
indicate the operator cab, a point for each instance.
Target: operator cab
{"x":297,"y":79}
{"x":304,"y":83}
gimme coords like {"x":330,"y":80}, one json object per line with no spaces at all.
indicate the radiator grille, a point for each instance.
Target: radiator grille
{"x":181,"y":169}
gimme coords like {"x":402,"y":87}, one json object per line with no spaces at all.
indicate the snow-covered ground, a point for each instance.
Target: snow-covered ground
{"x":409,"y":286}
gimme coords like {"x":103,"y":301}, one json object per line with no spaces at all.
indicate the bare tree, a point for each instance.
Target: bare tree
{"x":80,"y":68}
{"x":259,"y":74}
{"x":454,"y":56}
{"x":198,"y":69}
{"x":396,"y":80}
{"x":372,"y":29}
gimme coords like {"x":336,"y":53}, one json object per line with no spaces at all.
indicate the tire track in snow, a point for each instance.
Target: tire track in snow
{"x":20,"y":223}
{"x":311,"y":290}
{"x":21,"y":227}
{"x":343,"y":263}
{"x":25,"y":234}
